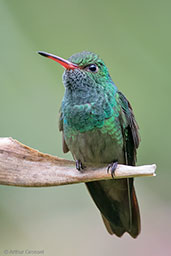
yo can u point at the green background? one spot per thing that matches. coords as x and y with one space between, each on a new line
133 37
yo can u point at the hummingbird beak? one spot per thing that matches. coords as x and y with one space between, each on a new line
65 63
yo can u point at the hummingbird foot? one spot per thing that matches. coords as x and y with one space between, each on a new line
79 165
112 168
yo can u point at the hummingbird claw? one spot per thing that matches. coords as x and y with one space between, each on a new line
113 167
79 165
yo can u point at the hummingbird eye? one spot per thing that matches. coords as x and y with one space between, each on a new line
92 67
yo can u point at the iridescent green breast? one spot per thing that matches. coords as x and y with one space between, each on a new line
87 118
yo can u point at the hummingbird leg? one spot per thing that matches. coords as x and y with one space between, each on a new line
113 167
79 165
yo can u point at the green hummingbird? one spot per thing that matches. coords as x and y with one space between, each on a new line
98 126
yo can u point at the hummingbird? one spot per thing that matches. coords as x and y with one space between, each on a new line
98 126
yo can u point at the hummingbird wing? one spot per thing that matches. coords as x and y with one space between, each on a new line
130 133
131 140
64 145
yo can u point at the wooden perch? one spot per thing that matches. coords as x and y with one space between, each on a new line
23 166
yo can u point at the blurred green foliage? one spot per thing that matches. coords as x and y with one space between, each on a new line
133 37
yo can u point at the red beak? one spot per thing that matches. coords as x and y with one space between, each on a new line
65 63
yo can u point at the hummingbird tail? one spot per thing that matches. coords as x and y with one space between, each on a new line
111 198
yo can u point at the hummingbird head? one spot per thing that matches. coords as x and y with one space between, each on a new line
83 69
